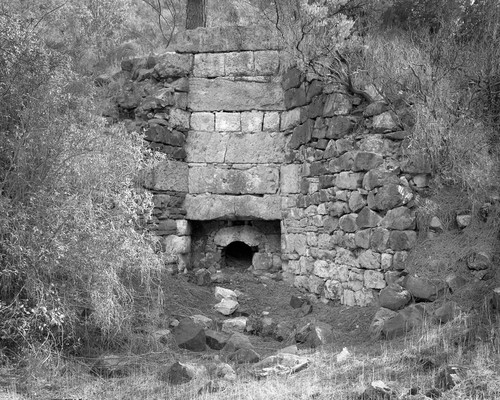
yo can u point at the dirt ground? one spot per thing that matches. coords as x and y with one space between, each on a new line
258 295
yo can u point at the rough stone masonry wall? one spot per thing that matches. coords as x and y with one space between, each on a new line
349 220
245 143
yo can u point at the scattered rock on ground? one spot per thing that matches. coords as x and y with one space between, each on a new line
424 289
394 297
280 364
244 356
179 373
379 390
315 335
112 365
189 335
223 293
446 312
237 341
226 306
206 322
233 325
298 301
216 340
203 277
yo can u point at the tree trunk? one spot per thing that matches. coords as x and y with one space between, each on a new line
196 15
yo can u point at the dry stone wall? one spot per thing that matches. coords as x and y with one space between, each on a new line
248 143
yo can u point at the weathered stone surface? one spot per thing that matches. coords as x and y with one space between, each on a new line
338 127
479 261
162 134
179 373
348 223
225 39
385 122
365 161
446 312
402 240
173 65
314 335
228 95
423 288
369 259
226 306
250 148
223 293
208 65
203 121
349 180
271 121
174 244
379 240
356 201
387 324
216 340
374 279
190 335
337 104
239 63
367 218
301 135
225 121
244 356
251 121
207 207
362 238
394 297
266 62
400 218
375 108
378 177
391 196
204 147
168 175
290 178
249 235
214 179
234 325
257 148
290 119
237 341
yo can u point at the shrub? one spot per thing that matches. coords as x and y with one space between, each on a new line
72 210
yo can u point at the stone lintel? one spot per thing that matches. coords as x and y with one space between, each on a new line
234 95
207 207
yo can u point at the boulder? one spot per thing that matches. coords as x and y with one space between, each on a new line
237 341
223 293
244 356
203 277
424 289
298 301
387 324
446 312
179 373
394 297
216 340
206 322
226 307
314 335
233 325
189 335
479 261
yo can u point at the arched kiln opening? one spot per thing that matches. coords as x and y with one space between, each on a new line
238 255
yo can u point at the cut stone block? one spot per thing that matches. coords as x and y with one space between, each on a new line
207 207
227 121
214 179
203 121
208 65
252 121
228 95
239 63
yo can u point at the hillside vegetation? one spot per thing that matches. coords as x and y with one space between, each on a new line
78 268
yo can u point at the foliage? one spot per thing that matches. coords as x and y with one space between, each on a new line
71 206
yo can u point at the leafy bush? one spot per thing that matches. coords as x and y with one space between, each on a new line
72 210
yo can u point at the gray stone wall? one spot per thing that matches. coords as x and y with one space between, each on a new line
247 143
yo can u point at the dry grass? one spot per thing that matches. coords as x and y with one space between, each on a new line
410 362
